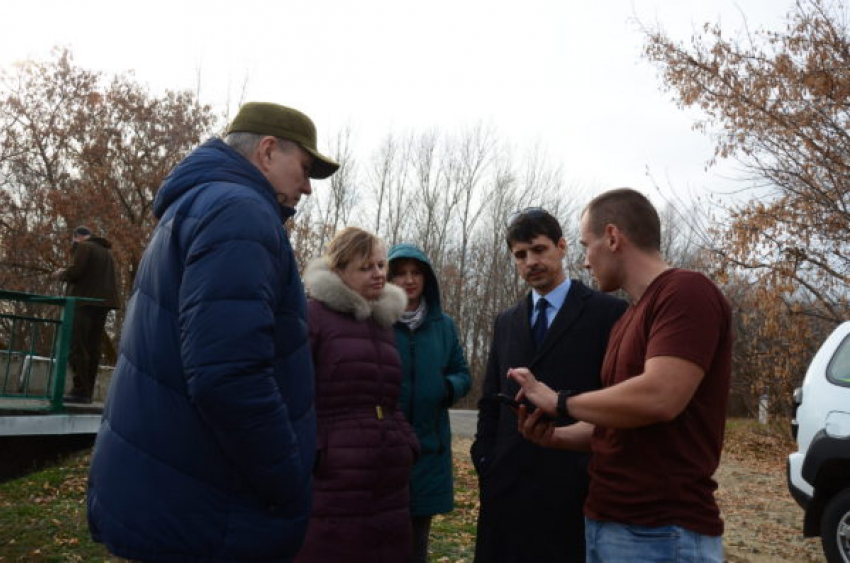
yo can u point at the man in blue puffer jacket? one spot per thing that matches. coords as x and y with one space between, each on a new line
209 433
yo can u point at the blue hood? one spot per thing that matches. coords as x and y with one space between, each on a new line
213 161
432 288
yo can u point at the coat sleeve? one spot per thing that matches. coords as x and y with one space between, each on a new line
229 288
79 262
488 410
457 370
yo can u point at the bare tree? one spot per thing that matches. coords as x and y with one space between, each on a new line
779 101
82 148
469 165
434 197
387 178
335 204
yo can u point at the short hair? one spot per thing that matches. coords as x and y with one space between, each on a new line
631 212
350 244
245 143
82 231
525 225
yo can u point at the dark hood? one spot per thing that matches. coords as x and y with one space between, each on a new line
432 288
213 161
101 241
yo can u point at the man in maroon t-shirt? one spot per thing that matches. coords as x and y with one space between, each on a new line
656 428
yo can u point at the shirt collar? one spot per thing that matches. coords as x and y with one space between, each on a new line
556 297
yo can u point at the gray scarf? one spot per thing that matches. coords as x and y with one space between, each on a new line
414 319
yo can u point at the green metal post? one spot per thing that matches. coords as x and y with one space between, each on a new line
9 354
58 361
61 358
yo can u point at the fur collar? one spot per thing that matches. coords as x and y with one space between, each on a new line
322 284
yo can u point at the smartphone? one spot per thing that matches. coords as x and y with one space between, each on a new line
514 404
506 399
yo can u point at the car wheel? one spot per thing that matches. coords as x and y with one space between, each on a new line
835 528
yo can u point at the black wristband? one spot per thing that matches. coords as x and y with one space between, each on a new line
561 405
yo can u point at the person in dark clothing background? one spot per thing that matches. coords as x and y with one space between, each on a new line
91 274
532 497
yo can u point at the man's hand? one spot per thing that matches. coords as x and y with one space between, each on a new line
58 273
537 430
533 428
543 397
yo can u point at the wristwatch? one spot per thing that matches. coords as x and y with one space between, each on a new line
561 405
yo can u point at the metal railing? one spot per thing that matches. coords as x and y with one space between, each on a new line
34 347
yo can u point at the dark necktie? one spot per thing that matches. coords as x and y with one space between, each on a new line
538 331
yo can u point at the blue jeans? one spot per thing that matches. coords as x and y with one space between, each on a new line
612 542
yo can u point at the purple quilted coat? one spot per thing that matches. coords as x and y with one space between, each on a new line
365 446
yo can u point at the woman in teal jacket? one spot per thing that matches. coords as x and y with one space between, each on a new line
435 377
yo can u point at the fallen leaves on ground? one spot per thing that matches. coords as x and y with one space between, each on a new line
42 516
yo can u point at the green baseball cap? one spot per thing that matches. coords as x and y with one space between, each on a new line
264 118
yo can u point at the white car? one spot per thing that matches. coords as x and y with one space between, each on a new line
819 471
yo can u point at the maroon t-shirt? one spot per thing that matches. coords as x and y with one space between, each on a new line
661 474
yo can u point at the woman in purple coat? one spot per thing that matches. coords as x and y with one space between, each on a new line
365 446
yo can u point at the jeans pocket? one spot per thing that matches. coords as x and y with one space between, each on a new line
654 533
625 542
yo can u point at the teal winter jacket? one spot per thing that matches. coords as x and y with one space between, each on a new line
435 376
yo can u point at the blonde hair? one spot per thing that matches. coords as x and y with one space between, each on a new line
350 244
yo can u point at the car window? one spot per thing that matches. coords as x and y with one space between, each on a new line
838 370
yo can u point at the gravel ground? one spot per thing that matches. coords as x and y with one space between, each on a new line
763 523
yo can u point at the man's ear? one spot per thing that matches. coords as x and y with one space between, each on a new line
613 237
263 153
562 246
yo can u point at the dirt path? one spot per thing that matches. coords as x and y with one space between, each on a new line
763 523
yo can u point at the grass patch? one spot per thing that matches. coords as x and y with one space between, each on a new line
43 515
453 534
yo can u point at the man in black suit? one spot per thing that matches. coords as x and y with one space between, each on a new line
532 497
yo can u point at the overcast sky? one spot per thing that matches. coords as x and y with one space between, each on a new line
567 74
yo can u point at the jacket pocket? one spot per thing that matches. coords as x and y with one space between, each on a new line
480 459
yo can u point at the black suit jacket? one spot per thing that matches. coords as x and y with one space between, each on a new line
531 497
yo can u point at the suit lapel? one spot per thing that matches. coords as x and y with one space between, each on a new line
521 324
522 343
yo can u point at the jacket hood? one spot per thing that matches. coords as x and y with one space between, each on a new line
322 284
101 241
432 288
213 161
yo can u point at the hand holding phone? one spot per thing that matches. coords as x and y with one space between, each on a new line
506 399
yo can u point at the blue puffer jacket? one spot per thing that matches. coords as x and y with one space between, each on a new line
433 362
209 433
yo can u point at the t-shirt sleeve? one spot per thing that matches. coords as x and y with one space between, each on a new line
689 320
